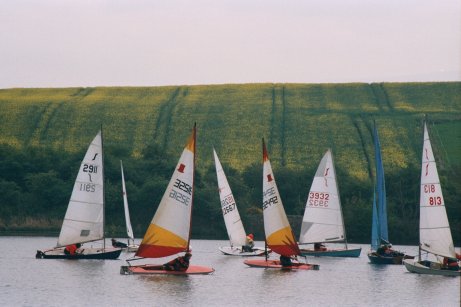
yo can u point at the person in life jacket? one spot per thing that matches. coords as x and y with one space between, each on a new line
72 249
249 243
450 264
285 261
178 264
319 247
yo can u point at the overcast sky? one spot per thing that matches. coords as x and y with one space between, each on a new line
61 43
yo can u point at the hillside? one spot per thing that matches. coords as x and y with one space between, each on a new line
298 121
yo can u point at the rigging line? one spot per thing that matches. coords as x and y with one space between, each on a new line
439 138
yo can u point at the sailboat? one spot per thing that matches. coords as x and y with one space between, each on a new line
323 219
279 235
379 234
84 219
434 229
234 225
169 231
130 246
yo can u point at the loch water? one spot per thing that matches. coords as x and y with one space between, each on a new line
26 281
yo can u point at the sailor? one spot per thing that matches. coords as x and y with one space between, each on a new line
72 249
450 264
319 247
249 243
178 264
285 261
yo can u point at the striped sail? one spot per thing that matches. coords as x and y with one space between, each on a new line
434 229
323 219
229 209
84 220
129 229
169 230
279 236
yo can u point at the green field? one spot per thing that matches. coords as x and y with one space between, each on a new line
298 121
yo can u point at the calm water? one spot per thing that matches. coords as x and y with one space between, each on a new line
26 281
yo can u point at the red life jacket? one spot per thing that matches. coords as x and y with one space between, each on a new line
71 249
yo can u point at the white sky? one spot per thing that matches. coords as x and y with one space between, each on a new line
60 43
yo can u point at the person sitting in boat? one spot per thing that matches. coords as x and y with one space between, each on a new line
249 243
285 261
180 264
385 250
116 243
319 247
450 264
72 249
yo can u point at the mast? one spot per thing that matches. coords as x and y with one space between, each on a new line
103 193
193 189
339 198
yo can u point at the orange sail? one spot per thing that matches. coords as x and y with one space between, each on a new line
279 235
169 230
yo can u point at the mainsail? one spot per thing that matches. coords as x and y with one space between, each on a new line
434 229
129 229
84 219
279 236
169 230
379 231
323 220
230 212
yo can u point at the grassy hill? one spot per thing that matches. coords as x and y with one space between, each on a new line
298 121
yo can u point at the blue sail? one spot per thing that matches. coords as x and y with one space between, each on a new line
375 241
379 228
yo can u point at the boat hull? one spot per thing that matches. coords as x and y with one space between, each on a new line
355 252
157 269
378 259
237 251
87 253
275 264
429 268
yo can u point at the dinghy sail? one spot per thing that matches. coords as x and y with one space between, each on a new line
130 247
323 219
169 231
381 252
434 229
84 219
279 235
234 225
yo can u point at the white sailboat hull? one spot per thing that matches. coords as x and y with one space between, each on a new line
237 251
432 268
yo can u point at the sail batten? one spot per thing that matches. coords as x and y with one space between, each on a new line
169 230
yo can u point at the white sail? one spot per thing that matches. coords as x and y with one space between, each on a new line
84 220
323 220
434 229
230 212
129 229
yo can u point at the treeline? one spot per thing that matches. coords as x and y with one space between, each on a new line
36 183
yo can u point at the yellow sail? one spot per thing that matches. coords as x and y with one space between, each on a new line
279 236
169 230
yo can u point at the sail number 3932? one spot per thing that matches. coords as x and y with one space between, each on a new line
317 199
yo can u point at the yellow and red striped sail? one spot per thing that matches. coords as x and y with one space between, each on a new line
279 236
168 233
